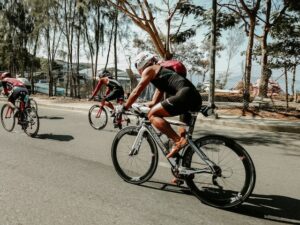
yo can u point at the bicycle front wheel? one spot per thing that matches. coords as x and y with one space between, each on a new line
33 104
234 179
8 117
134 167
31 128
98 117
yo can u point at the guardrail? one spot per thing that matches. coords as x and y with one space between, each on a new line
44 88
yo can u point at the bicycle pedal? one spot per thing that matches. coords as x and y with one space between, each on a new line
177 181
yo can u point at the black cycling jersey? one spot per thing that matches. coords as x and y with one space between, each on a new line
184 96
113 84
170 82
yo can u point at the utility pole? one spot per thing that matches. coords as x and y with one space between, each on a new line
211 96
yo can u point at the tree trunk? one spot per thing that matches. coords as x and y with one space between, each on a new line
91 52
211 97
294 94
32 62
77 69
115 46
246 94
286 88
109 46
265 74
98 29
49 61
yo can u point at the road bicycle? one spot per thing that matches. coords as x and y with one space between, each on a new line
31 102
216 169
22 112
98 115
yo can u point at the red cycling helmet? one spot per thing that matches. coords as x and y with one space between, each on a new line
5 75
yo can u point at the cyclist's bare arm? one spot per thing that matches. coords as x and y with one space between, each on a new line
103 80
157 96
148 74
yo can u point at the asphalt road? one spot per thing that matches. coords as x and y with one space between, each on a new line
65 176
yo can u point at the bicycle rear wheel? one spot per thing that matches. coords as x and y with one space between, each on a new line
8 118
134 168
98 117
235 179
31 128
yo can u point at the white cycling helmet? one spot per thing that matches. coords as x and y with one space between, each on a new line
142 59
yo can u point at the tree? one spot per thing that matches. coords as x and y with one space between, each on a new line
234 40
17 25
52 35
247 12
36 10
146 21
273 11
284 51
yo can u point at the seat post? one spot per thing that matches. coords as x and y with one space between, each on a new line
192 123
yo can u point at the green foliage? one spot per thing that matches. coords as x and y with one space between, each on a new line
188 8
285 48
184 35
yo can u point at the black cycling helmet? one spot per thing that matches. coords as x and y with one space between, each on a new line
105 73
5 75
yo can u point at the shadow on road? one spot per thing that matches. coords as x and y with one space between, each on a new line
57 137
161 186
264 139
271 207
51 117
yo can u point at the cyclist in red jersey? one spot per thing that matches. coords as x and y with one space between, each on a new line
13 88
114 90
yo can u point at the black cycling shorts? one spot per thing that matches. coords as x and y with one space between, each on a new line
17 92
186 99
115 94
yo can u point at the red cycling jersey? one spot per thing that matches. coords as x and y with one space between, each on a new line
10 83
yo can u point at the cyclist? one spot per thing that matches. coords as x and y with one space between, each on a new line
13 88
183 97
114 90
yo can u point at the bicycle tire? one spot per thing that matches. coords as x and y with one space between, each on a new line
120 168
93 120
33 104
33 125
13 119
213 193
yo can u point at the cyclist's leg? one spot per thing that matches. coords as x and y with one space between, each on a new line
14 94
186 99
185 118
115 94
156 115
22 92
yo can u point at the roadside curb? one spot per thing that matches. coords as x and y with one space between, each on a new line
252 124
226 121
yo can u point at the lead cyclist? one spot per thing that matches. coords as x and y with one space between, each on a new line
183 97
